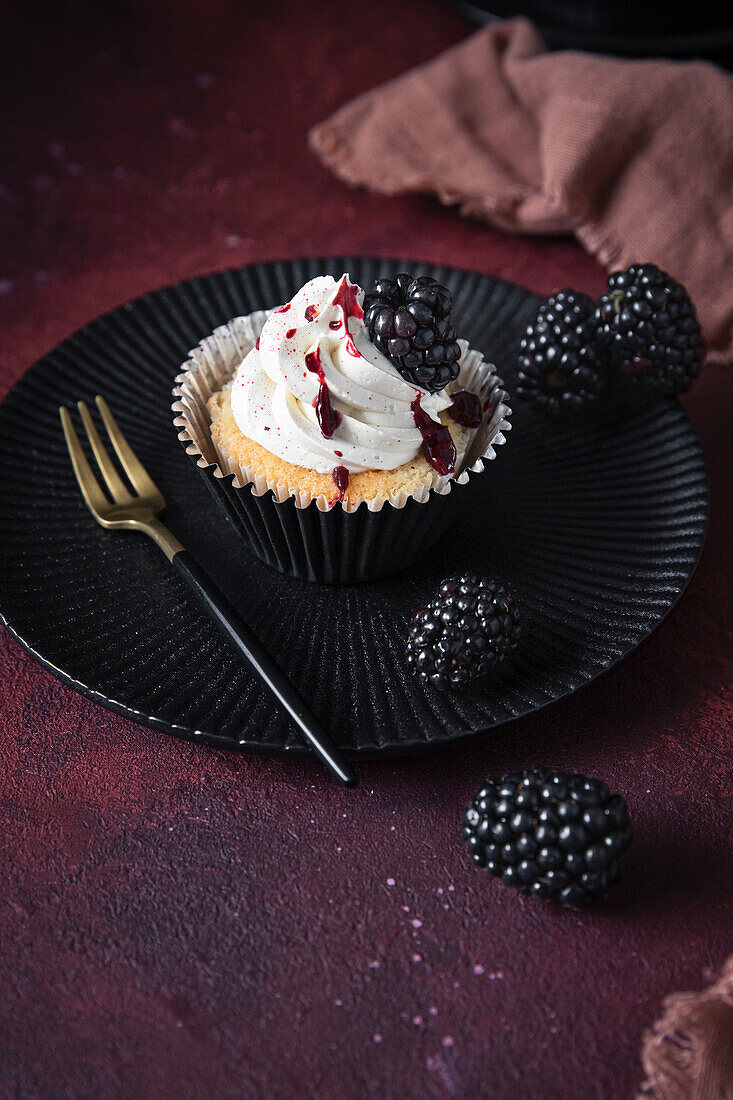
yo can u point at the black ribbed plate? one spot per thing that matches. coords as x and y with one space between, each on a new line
596 530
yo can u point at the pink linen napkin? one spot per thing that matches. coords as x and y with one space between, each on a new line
633 157
688 1054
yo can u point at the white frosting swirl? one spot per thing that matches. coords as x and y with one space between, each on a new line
274 392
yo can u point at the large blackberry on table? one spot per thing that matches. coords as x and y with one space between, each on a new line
559 362
466 629
549 834
409 320
647 322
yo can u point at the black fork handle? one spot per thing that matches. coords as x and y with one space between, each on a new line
232 626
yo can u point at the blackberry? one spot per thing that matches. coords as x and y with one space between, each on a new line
549 834
466 629
409 321
647 322
559 363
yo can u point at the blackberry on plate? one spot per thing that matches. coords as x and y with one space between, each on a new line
559 362
647 322
549 834
466 629
409 320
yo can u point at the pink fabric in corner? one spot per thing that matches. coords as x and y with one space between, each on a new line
633 157
688 1054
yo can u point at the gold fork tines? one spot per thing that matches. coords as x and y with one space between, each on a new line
135 509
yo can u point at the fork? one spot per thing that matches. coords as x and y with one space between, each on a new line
139 510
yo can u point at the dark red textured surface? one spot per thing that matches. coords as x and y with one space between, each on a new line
176 921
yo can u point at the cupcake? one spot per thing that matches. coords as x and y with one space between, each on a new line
333 427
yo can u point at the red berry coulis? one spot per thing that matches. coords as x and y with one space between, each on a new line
347 300
328 418
340 477
466 409
437 445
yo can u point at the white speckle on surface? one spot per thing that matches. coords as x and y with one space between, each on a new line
451 889
416 923
338 1002
417 1020
439 891
448 1041
374 964
232 241
433 1010
390 882
496 975
417 958
478 969
377 1038
405 908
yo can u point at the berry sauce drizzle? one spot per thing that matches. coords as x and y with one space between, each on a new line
437 445
328 418
283 309
347 300
466 409
340 477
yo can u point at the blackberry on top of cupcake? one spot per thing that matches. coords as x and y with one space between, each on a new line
409 320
